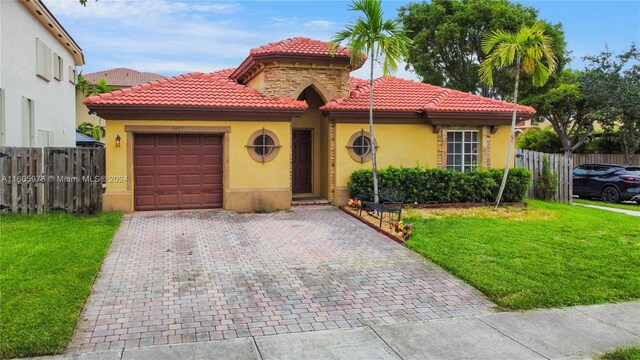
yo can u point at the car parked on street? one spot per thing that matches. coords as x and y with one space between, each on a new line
611 183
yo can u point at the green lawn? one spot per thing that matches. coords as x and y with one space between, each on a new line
47 266
546 255
622 354
628 206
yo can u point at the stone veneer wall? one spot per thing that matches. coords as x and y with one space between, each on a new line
289 80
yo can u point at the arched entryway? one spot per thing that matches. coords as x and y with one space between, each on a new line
310 149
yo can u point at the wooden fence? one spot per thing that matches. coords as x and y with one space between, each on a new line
616 159
560 165
36 180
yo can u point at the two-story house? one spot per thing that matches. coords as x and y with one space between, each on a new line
38 60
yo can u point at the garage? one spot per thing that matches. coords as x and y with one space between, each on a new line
177 171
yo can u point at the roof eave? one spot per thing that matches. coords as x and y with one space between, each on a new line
42 13
119 112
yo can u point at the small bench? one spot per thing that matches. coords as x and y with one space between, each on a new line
390 201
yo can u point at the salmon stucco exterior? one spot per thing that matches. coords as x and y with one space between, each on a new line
289 122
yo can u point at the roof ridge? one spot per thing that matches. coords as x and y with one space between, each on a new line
123 68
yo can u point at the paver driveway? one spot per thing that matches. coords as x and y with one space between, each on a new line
184 276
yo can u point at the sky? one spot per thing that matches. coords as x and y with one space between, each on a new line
175 37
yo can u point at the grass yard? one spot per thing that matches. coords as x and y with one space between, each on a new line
627 206
545 255
47 266
622 354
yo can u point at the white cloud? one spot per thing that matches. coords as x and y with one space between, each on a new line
322 24
170 38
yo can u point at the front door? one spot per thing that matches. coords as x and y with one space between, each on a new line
301 165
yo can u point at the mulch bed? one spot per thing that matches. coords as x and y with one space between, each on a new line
386 229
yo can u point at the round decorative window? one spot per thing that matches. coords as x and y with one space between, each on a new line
263 145
359 146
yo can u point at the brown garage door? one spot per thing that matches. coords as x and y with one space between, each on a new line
177 171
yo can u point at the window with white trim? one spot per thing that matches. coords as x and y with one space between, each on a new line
2 118
462 150
58 67
28 125
44 57
73 76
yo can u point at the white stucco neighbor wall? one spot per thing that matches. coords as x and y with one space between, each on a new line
54 107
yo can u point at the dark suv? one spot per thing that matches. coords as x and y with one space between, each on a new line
611 183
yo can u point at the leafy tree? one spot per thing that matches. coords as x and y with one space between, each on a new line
544 140
95 131
100 87
448 35
563 106
611 86
528 51
82 84
383 40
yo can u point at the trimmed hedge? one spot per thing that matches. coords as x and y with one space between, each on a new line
428 185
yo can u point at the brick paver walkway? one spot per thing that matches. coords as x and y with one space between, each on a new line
185 276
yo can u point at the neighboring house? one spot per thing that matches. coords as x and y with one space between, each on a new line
37 77
117 79
287 122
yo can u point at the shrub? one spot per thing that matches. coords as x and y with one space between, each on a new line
424 186
547 185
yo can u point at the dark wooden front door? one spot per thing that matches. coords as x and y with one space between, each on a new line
177 171
301 166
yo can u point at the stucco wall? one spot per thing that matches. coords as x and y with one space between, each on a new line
250 184
53 101
408 146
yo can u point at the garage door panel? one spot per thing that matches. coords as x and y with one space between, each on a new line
190 159
168 180
212 179
168 160
186 180
175 171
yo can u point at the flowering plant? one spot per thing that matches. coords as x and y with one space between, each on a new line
405 229
354 203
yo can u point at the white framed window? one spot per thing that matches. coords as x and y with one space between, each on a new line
28 125
44 58
73 76
462 150
2 119
58 67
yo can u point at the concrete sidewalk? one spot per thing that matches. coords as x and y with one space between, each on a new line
617 210
572 333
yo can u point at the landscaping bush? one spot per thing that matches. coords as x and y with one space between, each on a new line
427 186
547 185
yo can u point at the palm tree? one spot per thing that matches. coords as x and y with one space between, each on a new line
530 52
383 40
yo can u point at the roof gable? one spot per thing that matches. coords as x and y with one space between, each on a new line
192 91
395 94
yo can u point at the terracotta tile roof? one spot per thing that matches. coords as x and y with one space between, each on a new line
195 91
122 77
395 94
299 46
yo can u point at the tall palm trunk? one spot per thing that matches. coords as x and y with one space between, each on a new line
374 163
512 136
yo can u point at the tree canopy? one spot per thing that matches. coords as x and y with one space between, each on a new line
448 35
611 87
